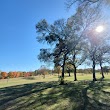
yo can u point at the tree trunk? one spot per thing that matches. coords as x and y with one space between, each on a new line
102 70
63 69
75 78
69 74
63 66
94 77
68 71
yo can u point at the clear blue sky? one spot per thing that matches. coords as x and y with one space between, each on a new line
18 45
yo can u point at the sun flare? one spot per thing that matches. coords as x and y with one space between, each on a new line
99 29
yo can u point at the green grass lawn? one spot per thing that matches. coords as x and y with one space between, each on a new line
20 81
37 93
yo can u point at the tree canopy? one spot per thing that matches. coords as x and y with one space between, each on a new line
75 40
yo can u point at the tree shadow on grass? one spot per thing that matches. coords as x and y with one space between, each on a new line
51 95
33 95
94 97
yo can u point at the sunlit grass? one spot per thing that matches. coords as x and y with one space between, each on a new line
81 76
21 80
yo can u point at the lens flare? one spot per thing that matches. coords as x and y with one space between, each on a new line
99 29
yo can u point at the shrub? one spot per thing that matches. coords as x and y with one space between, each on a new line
27 74
11 75
22 74
17 74
4 75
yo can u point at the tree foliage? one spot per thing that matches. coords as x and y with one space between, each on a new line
4 75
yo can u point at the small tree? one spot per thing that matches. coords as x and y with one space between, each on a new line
58 70
69 68
11 75
103 56
106 69
43 71
4 75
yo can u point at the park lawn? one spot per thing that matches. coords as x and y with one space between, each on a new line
21 80
81 77
47 94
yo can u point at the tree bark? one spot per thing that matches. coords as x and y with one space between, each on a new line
68 71
75 78
63 66
63 71
69 74
102 70
94 77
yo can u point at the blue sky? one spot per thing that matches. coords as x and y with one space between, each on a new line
18 45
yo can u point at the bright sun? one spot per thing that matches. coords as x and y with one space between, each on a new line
99 29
